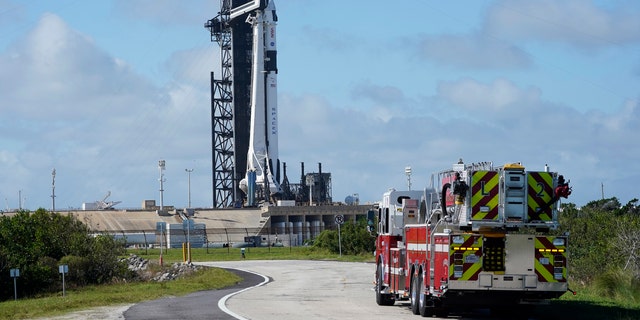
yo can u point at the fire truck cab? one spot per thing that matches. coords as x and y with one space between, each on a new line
478 237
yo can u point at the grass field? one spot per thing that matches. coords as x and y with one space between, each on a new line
587 304
257 253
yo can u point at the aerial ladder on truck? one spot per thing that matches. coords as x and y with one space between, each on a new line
479 236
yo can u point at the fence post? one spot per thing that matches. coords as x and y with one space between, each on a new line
206 238
146 245
228 244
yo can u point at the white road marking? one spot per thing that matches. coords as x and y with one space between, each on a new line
222 302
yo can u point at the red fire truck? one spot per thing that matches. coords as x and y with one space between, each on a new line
478 237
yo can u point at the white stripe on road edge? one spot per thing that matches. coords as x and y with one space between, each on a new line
222 302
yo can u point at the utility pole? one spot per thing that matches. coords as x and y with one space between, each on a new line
161 166
189 185
53 190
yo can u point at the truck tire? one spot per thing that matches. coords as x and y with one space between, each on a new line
424 307
381 298
415 294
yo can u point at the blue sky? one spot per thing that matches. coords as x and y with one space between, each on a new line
102 90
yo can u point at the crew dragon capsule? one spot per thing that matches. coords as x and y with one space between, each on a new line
263 165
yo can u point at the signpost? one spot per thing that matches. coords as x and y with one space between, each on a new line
161 227
339 220
63 269
15 273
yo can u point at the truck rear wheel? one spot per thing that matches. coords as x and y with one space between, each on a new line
382 299
425 305
415 294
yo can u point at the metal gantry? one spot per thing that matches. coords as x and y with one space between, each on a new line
222 112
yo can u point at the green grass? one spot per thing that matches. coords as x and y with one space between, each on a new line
590 303
257 253
612 295
114 294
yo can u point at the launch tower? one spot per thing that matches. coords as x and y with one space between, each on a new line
243 106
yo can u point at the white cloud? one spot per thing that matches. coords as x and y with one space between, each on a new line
478 97
575 22
383 102
71 105
57 72
67 104
496 121
618 129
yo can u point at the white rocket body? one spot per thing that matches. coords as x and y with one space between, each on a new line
262 156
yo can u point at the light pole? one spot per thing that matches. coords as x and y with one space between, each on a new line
189 185
407 171
161 166
53 190
310 182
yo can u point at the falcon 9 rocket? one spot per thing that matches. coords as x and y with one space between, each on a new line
263 165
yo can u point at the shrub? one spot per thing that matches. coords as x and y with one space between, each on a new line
618 284
38 242
354 236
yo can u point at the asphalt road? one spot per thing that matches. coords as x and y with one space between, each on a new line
283 290
310 290
199 305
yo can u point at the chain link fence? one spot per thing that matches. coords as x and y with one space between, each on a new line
175 235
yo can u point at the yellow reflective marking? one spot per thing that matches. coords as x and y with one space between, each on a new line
544 272
540 194
471 271
548 253
483 192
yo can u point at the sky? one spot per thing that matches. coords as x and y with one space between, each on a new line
103 90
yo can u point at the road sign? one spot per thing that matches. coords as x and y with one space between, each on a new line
64 268
339 220
188 224
15 273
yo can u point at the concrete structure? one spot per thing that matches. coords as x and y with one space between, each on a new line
282 225
295 225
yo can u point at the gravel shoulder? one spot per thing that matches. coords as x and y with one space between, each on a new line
102 313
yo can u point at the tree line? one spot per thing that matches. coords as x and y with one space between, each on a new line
604 239
38 242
